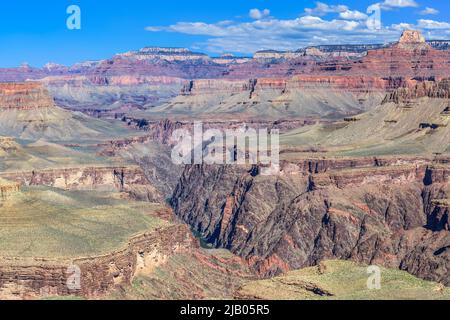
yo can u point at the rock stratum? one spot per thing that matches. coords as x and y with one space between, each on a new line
28 111
86 175
8 188
376 212
329 82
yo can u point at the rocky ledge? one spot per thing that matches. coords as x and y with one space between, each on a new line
24 96
131 180
31 278
414 90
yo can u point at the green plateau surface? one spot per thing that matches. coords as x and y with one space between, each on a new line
343 280
52 223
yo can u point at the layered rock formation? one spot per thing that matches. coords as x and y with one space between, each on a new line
162 130
372 215
276 55
415 90
319 60
411 57
439 44
24 96
228 59
167 54
29 112
130 179
111 96
8 188
410 39
356 84
374 210
299 97
31 278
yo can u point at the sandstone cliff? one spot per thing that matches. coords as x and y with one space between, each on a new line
24 96
432 89
29 112
130 179
8 188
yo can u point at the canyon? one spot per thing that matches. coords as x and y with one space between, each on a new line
311 85
87 180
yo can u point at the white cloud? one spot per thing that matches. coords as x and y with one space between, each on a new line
392 4
349 26
399 3
353 15
428 11
258 14
323 9
344 12
403 26
248 37
225 22
320 24
431 24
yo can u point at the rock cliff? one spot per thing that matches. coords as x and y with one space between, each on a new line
8 188
29 112
39 277
372 213
415 90
130 179
24 96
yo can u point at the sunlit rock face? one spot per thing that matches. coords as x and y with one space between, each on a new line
412 36
7 189
24 96
168 54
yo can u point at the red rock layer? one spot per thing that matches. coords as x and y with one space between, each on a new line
24 96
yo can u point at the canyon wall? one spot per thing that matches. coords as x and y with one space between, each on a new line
162 130
8 188
410 57
41 277
352 84
118 80
130 179
373 211
439 89
24 96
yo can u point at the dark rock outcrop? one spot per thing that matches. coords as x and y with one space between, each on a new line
382 214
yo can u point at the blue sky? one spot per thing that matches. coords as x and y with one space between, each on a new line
36 32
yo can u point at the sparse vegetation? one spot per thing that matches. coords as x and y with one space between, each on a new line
60 224
344 280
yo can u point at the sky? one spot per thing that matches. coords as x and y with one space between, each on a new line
36 32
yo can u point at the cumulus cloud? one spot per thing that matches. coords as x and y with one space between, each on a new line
399 3
429 11
353 15
248 37
431 24
403 26
322 9
393 4
259 14
267 32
